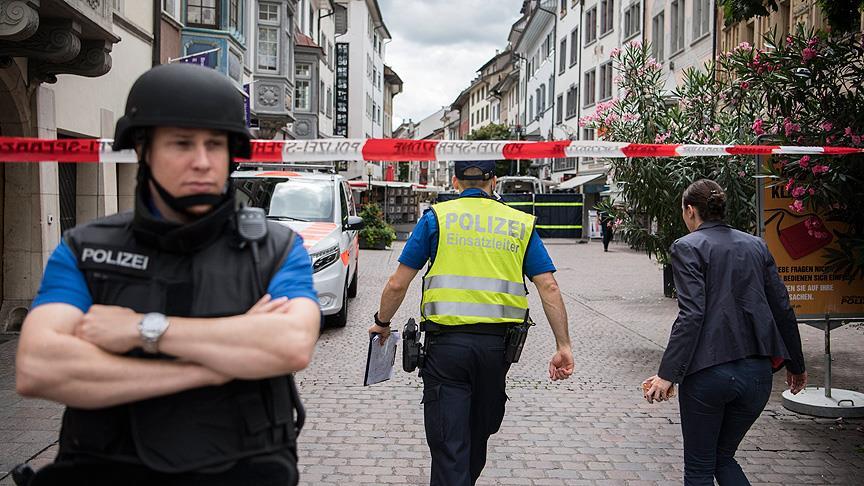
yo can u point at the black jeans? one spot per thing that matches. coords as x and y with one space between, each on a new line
607 237
718 406
463 402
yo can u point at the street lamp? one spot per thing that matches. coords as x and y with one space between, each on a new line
369 171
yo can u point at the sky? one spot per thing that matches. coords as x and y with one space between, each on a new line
438 46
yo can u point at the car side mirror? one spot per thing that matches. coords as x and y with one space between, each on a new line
354 223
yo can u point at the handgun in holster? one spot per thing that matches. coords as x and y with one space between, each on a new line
413 354
514 340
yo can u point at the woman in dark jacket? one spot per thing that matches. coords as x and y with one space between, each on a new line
734 325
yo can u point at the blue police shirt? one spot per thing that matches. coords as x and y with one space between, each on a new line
423 244
64 283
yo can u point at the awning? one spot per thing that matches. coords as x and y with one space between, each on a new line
359 184
580 181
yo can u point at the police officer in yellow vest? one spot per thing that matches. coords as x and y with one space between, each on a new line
480 249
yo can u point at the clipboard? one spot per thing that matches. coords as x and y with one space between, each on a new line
380 360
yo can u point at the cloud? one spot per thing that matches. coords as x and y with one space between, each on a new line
438 45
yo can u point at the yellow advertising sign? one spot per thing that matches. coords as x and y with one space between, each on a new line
798 242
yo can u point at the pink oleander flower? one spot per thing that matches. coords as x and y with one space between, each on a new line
811 191
789 39
812 42
856 140
820 169
826 126
745 85
799 192
661 137
744 46
830 139
789 185
797 206
808 54
848 131
635 43
741 173
757 127
804 162
615 52
790 128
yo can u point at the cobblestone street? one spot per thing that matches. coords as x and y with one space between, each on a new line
593 429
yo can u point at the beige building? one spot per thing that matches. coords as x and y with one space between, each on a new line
753 31
483 106
682 35
65 70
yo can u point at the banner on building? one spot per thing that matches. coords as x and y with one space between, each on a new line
342 63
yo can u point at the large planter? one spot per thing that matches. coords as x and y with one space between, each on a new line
668 282
378 245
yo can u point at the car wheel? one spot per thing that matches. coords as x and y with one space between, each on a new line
340 318
352 289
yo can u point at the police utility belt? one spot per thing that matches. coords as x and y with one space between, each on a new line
414 353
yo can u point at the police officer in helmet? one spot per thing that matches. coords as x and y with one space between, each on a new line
169 333
474 297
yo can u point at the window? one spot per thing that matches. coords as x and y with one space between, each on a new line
590 81
531 107
375 77
322 101
329 102
560 165
590 25
551 90
677 39
234 15
658 37
559 110
605 81
172 8
268 48
302 94
202 13
701 18
632 19
303 87
563 8
562 60
607 16
572 101
268 12
541 100
574 42
587 134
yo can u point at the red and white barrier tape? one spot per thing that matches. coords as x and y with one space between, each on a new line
14 149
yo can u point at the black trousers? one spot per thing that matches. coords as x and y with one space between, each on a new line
718 406
607 237
463 402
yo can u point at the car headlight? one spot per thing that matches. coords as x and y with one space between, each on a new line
325 258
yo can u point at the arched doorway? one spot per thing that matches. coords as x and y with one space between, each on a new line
15 121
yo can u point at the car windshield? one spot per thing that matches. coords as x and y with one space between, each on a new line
515 187
288 199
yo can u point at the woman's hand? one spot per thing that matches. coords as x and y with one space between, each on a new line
657 389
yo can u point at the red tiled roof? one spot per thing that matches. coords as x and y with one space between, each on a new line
304 40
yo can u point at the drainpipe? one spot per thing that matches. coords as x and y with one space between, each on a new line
714 42
579 92
156 57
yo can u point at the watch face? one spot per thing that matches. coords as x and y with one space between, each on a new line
153 325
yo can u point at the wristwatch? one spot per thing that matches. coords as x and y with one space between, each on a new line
151 328
379 323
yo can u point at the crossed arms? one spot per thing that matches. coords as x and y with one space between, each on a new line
75 358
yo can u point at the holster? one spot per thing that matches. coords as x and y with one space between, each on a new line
514 341
413 353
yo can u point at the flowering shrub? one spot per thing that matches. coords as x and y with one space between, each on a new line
805 89
698 111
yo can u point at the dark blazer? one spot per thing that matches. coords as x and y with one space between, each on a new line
732 304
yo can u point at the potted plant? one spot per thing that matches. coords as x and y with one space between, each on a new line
376 234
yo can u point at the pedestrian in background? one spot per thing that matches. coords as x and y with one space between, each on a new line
734 325
607 229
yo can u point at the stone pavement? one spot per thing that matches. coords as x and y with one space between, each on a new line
592 429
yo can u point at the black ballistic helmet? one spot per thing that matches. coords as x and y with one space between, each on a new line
185 95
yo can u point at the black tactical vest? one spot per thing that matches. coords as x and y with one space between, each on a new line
200 429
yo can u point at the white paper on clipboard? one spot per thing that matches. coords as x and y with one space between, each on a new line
380 359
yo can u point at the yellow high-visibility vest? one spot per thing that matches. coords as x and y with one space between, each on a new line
477 273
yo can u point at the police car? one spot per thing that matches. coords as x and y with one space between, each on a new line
320 208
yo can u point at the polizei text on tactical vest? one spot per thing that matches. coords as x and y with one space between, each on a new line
490 225
115 257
